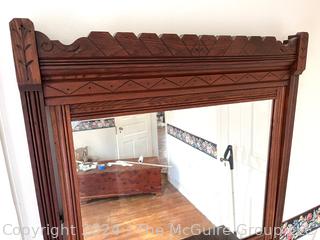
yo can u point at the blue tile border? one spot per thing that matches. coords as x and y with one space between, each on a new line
194 141
301 225
78 126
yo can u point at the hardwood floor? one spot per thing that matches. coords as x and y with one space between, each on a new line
142 217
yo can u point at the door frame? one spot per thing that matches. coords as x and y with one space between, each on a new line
102 75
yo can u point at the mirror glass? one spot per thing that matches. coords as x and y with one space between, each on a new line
173 174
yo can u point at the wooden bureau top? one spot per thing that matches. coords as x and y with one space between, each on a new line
116 168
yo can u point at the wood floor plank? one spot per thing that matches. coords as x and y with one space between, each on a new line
128 214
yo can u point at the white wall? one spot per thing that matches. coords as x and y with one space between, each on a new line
315 235
68 20
7 206
201 122
206 181
101 143
203 180
154 134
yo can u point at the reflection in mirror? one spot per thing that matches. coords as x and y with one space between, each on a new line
173 174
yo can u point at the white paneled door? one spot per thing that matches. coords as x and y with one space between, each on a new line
134 135
246 127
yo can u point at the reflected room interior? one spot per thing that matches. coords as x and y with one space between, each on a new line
173 174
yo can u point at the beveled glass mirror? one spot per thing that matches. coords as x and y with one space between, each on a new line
174 174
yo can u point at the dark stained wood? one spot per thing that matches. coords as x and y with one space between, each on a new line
101 75
29 82
56 91
25 53
120 181
132 45
153 104
272 182
289 103
152 45
302 50
107 44
63 141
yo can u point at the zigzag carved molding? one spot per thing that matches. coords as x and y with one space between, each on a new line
127 44
58 89
111 108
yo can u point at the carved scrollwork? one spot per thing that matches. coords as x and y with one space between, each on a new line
103 44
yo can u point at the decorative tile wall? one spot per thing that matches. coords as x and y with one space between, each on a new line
194 141
92 124
301 225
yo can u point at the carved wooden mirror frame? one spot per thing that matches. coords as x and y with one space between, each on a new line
101 75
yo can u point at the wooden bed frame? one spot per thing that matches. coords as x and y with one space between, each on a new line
103 75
